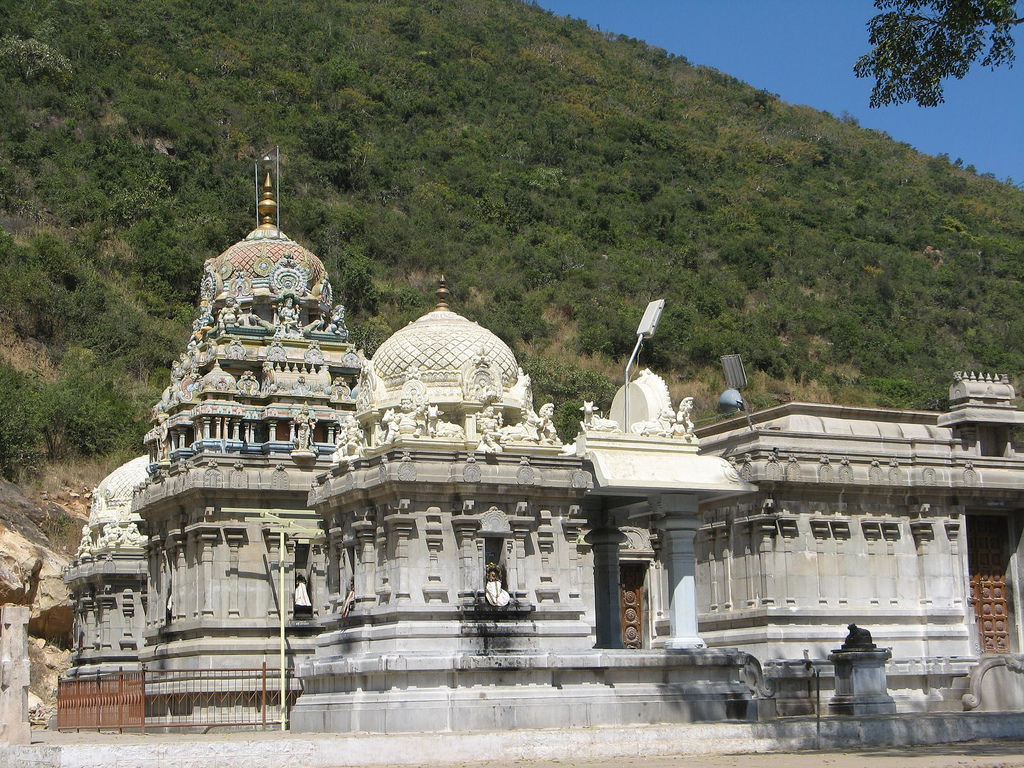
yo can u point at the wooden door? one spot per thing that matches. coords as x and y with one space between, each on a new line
987 538
631 581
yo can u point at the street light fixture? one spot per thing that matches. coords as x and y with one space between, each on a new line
646 329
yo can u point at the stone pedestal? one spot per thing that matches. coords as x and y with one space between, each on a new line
14 666
860 683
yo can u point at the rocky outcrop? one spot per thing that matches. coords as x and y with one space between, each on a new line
31 573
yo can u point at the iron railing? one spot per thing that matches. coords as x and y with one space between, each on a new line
197 699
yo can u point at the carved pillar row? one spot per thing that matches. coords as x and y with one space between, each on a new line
679 519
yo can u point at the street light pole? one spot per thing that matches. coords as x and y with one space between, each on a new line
648 324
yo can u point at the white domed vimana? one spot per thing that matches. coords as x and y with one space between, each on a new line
446 377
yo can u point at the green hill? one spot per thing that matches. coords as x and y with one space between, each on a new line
559 177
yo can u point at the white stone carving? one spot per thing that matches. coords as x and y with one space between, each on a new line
305 423
661 426
683 427
438 428
286 318
594 422
488 426
350 443
522 391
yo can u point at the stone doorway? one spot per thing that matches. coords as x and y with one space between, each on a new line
987 552
631 582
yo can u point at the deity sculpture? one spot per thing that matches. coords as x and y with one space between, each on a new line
228 315
109 538
683 426
202 325
410 419
389 423
545 425
336 325
286 317
85 546
488 425
163 452
305 423
349 442
130 536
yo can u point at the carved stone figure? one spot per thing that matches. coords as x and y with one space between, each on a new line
546 426
410 419
163 452
683 426
269 379
488 425
337 323
228 315
523 432
660 427
437 427
350 442
130 536
301 387
201 326
85 546
858 639
305 423
286 318
593 421
110 537
389 423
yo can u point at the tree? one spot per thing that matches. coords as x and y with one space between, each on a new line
920 43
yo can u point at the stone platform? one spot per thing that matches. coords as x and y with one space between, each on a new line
615 745
494 692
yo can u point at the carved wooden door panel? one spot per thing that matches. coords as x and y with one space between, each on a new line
987 538
631 581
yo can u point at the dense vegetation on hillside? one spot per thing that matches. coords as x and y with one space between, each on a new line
559 177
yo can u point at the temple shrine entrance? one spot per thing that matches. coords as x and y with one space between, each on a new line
987 560
631 581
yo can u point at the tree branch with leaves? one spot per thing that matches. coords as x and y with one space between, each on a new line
920 43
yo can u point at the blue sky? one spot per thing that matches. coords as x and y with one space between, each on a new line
804 51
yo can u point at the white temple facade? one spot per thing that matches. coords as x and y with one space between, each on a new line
466 570
907 523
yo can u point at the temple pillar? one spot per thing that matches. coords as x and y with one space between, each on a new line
365 531
679 519
605 542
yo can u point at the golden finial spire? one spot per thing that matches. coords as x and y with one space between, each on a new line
442 294
267 206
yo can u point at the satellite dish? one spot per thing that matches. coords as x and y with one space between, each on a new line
731 401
